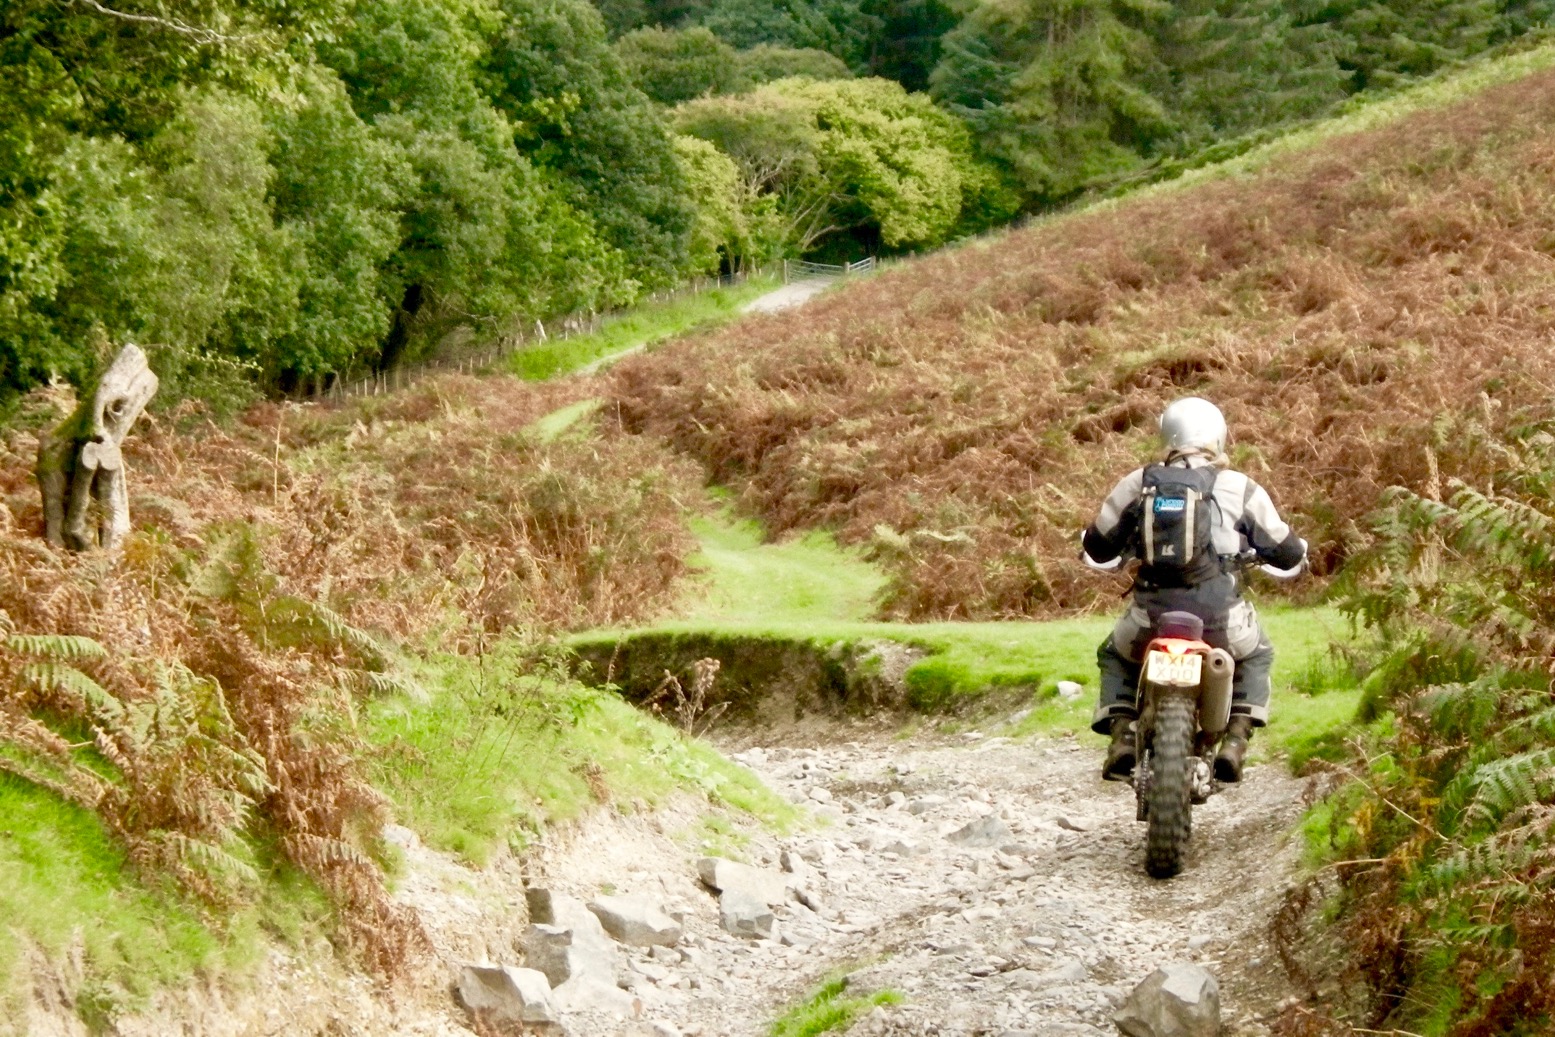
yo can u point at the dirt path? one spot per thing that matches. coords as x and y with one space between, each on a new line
1041 932
788 296
784 298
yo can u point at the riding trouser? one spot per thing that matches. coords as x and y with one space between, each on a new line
1230 622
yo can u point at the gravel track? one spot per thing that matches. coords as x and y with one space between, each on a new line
1042 933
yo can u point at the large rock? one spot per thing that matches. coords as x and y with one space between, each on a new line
986 831
744 914
770 887
547 907
507 1000
1174 1001
570 946
636 921
563 955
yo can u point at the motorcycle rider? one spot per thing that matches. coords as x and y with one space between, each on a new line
1154 514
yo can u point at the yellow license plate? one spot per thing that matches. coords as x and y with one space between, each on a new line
1178 670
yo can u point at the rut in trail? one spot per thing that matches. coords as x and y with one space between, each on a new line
1043 930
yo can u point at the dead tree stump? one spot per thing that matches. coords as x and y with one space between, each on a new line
79 461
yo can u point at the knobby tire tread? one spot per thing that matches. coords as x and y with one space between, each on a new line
1171 818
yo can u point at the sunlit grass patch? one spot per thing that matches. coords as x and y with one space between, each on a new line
828 1011
68 888
742 577
641 326
504 745
558 422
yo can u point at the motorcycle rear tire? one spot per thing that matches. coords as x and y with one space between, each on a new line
1171 784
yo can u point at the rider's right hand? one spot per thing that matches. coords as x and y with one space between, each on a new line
1291 573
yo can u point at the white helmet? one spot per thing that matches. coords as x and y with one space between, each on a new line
1192 424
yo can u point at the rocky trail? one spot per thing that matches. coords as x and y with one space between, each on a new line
996 885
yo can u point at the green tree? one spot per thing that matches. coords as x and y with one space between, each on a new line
1237 65
675 65
1387 42
840 27
847 156
476 231
1516 17
550 69
767 62
905 43
1066 94
723 228
92 231
336 194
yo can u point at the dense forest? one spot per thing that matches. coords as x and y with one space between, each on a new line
272 193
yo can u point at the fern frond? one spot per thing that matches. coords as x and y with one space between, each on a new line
59 677
56 647
204 858
330 858
323 623
1513 533
1541 724
74 785
1506 785
391 683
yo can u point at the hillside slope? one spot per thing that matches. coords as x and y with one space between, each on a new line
1359 308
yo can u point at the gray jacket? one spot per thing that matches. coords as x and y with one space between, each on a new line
1245 519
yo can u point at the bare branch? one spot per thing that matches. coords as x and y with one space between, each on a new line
198 33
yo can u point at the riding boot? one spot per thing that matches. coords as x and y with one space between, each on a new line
1119 765
1233 750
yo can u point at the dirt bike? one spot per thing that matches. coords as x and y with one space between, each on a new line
1184 703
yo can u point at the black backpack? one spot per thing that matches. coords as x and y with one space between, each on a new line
1176 526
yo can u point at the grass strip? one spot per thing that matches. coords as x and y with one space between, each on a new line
639 327
742 578
1019 664
827 1011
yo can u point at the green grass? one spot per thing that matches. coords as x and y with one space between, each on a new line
557 423
503 746
811 591
827 1011
66 886
1019 664
742 579
1307 718
641 326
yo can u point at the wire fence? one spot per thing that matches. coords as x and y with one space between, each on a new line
350 384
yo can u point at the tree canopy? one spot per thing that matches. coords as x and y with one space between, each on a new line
280 192
842 157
